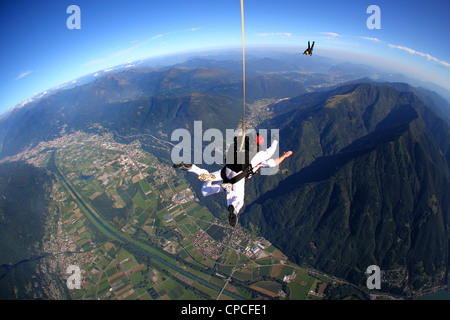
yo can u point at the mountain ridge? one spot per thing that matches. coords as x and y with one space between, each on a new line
338 218
341 211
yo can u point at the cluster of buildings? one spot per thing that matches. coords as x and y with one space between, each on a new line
35 155
290 277
182 197
258 251
61 249
206 245
162 174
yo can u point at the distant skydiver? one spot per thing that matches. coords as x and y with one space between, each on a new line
309 51
232 176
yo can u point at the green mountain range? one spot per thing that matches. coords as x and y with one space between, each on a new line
367 184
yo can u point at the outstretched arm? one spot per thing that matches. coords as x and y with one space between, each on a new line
281 159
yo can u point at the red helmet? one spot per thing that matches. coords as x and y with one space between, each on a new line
260 140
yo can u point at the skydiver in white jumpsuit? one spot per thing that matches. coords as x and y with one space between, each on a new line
235 190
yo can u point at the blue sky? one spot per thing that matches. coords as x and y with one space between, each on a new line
39 52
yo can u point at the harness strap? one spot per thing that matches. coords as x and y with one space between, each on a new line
235 179
246 173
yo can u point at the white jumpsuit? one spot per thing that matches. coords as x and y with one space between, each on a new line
236 197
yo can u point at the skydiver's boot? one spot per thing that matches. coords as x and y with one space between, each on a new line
183 166
206 177
232 219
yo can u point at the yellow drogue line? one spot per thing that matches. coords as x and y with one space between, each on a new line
243 73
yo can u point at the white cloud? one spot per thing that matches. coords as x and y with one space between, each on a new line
426 55
157 36
23 74
371 39
275 34
331 34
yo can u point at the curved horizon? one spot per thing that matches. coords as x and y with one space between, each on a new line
43 53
